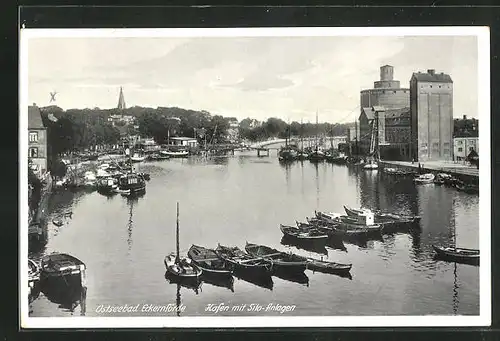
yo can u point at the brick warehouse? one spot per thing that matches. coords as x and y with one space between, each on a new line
431 97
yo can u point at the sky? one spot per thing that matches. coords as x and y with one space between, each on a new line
257 77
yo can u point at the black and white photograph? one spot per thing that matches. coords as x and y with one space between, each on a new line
257 177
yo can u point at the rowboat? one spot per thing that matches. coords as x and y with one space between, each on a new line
182 153
327 267
458 254
382 218
278 259
425 178
61 265
183 267
331 218
208 261
33 273
240 260
303 234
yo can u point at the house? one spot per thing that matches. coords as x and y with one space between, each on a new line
463 146
37 141
184 141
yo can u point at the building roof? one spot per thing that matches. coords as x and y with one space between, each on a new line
35 118
432 77
369 113
395 113
378 108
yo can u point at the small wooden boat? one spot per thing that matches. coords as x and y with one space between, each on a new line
278 259
240 260
457 254
382 218
317 156
33 273
133 182
58 222
183 267
208 261
61 265
181 153
303 234
425 178
331 218
327 267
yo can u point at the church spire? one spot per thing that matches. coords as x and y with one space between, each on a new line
121 100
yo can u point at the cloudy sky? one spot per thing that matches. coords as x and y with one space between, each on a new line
258 77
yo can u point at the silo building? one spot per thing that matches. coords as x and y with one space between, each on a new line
431 106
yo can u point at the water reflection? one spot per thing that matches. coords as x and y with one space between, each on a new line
66 293
311 246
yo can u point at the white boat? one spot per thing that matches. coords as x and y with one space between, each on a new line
371 166
137 158
181 153
427 178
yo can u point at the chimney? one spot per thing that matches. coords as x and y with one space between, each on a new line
34 104
431 72
465 117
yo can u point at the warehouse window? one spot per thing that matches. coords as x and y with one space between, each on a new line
33 136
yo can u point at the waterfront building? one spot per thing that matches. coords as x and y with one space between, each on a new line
431 97
463 146
184 141
37 141
386 92
463 127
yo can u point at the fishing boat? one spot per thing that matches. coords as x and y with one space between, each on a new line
316 155
240 260
427 178
330 218
381 217
303 234
277 259
61 265
287 153
208 261
132 183
457 254
137 158
107 185
33 273
365 222
173 154
181 267
58 222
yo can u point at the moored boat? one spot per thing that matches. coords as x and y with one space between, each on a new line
61 265
327 267
427 178
303 234
107 185
137 158
181 153
278 259
458 254
241 260
132 182
208 261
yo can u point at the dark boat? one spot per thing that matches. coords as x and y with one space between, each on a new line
58 222
277 259
327 267
132 182
208 261
287 153
458 254
240 260
107 185
35 232
303 233
261 279
177 266
61 265
33 274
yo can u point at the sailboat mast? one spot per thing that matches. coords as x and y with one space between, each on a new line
301 135
316 140
177 234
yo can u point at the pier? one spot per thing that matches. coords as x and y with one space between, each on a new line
456 169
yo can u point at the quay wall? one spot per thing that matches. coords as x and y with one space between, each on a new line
466 174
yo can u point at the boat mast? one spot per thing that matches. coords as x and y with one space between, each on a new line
301 136
177 235
316 139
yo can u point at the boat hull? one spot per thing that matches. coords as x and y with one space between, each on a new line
459 255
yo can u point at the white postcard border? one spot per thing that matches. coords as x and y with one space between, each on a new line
484 317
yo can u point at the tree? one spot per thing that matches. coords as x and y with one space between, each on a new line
59 169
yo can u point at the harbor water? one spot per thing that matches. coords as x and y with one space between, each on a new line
234 199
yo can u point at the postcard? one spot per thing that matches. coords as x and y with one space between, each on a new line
255 177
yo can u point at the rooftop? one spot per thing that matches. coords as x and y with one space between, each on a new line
35 118
432 76
394 113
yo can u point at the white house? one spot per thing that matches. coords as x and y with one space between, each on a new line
462 146
184 141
